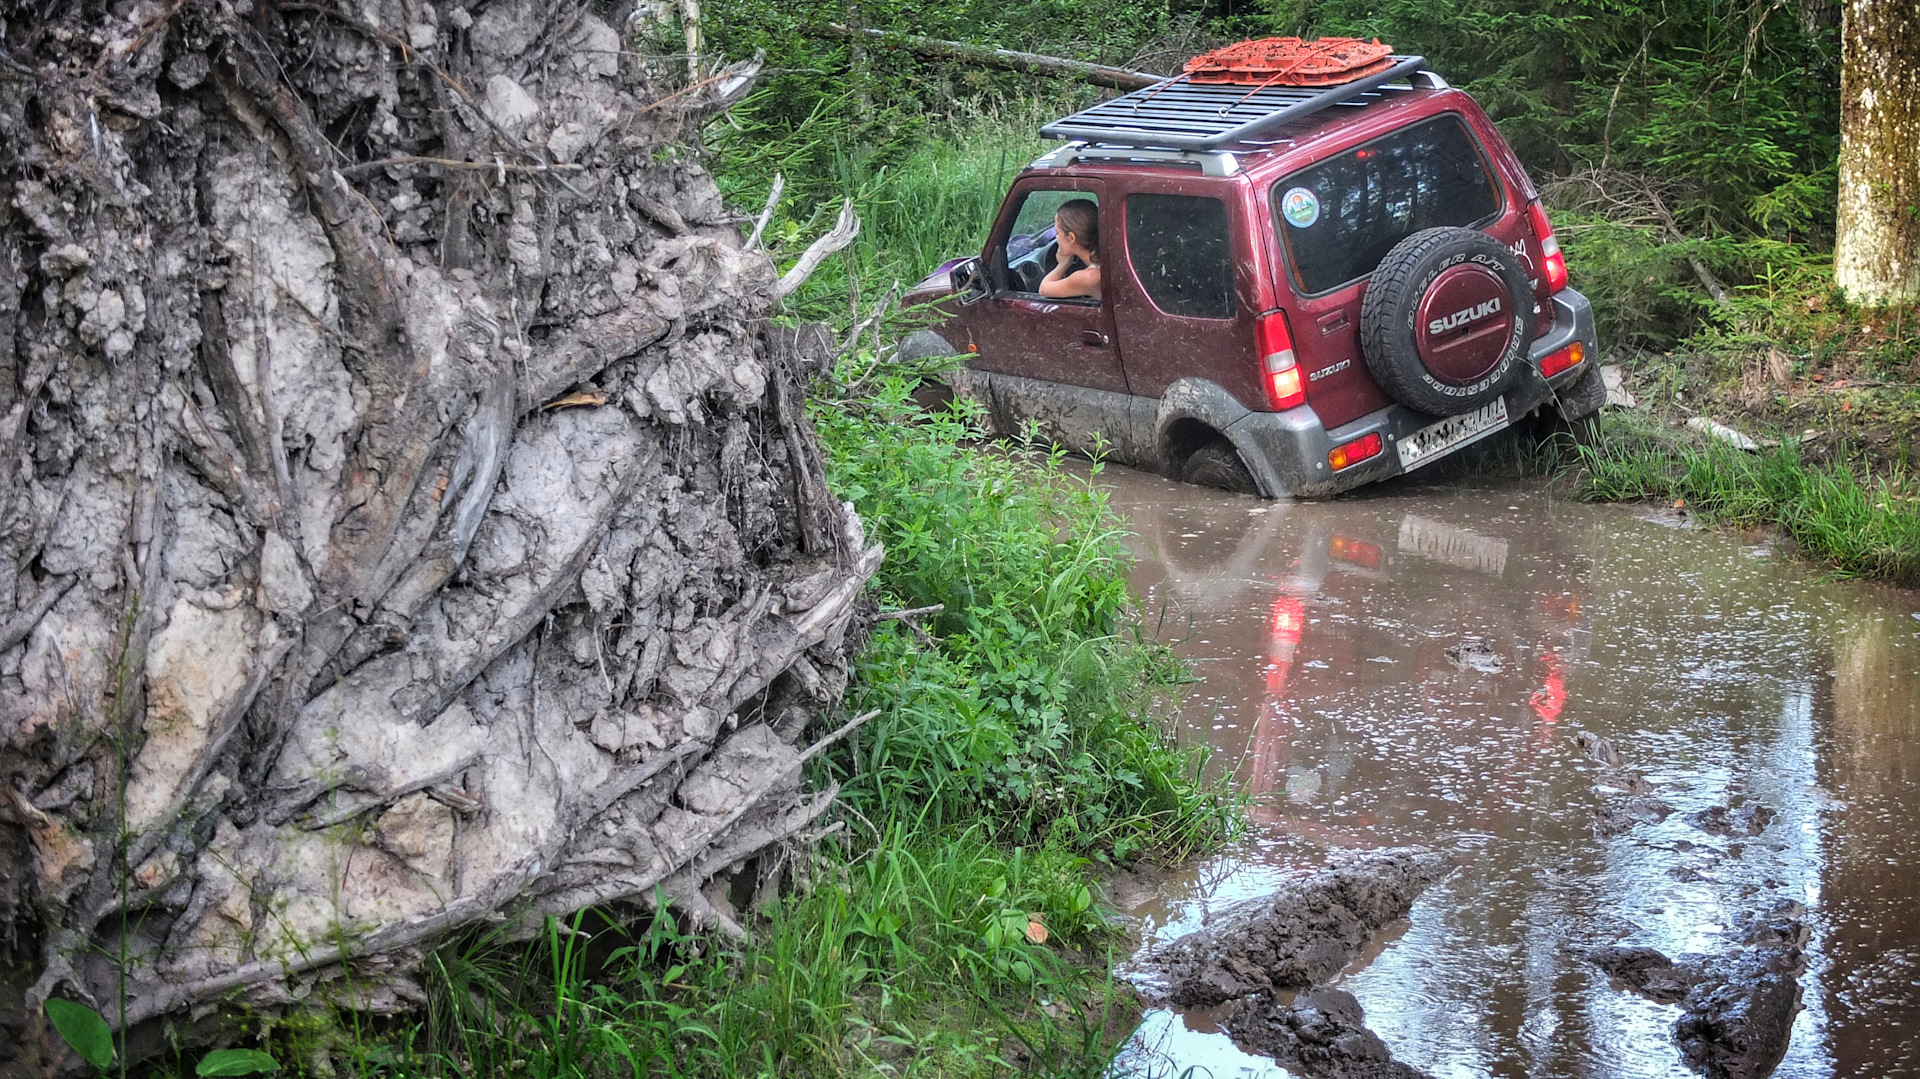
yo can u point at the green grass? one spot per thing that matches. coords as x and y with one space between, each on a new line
915 958
1029 706
1865 528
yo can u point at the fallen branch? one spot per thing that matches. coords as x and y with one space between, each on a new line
911 612
495 165
766 214
843 232
1029 63
1707 280
735 79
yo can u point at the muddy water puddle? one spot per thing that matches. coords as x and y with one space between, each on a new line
1413 665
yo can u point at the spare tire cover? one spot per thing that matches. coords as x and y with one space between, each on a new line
1446 320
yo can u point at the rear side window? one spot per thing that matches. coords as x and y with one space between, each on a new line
1181 254
1341 217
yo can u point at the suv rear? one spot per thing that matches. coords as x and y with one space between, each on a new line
1302 290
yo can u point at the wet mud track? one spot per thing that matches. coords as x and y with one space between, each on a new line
1628 734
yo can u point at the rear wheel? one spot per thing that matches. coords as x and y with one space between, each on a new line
1571 418
1218 464
1584 397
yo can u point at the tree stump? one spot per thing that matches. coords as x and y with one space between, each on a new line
409 517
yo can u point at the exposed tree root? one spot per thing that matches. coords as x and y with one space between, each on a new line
410 520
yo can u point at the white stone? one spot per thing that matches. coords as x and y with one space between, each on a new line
566 141
509 105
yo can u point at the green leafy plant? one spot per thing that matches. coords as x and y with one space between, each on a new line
236 1062
83 1029
1862 528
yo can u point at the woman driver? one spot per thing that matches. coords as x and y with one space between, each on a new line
1076 228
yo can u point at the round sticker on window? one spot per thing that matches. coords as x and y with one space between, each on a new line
1300 207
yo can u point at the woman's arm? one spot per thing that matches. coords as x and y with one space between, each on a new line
1060 285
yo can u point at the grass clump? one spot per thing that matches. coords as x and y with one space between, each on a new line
1025 709
915 961
1866 528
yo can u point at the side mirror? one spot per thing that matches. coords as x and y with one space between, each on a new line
969 281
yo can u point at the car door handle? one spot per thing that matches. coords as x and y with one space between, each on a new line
1330 323
1094 339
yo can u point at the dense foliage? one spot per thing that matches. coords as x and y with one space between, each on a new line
1663 132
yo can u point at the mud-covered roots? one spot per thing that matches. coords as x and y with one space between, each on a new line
408 520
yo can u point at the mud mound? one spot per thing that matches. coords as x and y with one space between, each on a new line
1300 936
1739 1005
1322 1033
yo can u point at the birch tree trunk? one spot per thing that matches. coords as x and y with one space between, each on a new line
1877 251
408 519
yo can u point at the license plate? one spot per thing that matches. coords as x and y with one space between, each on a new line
1432 443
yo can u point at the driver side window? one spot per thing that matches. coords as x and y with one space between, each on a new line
1029 253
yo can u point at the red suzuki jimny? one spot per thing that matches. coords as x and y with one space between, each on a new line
1302 288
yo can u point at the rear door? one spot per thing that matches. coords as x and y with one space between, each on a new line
1184 286
1019 332
1337 219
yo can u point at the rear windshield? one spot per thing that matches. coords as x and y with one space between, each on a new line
1339 218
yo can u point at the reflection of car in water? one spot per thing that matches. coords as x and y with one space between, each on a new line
1482 637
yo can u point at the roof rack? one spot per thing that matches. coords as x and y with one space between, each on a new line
1182 115
1211 162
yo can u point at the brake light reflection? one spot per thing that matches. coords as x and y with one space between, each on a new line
1289 621
1272 740
1354 552
1551 697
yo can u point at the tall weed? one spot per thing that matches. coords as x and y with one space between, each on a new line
926 958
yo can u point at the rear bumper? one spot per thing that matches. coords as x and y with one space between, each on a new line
1294 445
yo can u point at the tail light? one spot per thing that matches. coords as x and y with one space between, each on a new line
1555 362
1285 388
1352 453
1550 256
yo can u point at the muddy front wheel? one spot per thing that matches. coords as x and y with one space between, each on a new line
1218 464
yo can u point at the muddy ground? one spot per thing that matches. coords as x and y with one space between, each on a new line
1628 733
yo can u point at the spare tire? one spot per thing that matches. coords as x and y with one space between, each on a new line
1446 320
